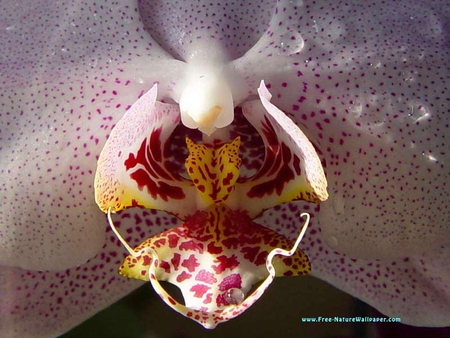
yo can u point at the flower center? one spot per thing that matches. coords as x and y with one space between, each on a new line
218 252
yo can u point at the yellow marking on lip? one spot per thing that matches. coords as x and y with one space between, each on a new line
214 172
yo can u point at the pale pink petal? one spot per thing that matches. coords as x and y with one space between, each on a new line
414 288
211 30
46 304
370 89
369 86
68 73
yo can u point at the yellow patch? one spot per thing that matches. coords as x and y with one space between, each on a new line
213 171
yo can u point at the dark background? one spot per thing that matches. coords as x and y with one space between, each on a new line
277 314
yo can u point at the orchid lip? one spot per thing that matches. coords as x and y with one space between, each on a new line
234 301
239 303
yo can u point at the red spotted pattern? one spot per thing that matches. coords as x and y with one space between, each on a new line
279 161
149 168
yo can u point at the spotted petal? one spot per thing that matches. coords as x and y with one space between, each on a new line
370 89
291 169
134 168
68 73
414 288
48 303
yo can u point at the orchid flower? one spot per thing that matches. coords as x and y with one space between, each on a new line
366 83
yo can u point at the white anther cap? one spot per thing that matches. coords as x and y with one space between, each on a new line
206 102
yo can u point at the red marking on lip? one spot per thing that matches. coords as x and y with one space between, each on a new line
287 261
271 162
146 260
212 176
165 265
212 249
231 243
173 241
232 281
160 242
205 276
220 300
183 276
175 260
191 263
208 299
250 253
199 290
135 204
227 180
225 263
191 246
261 259
284 172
